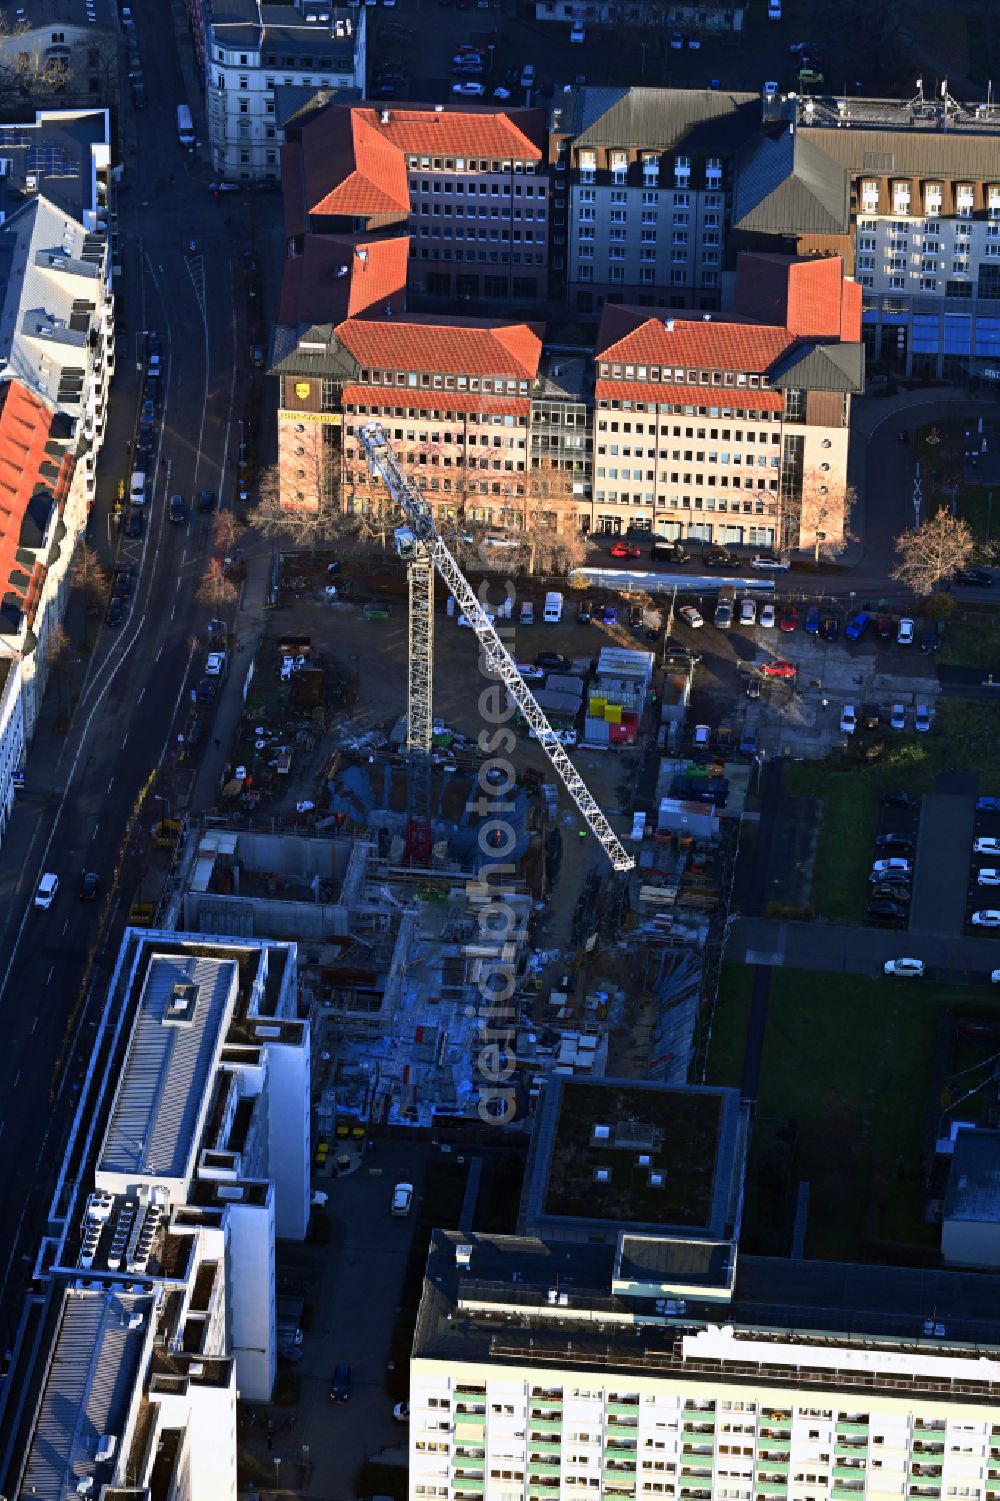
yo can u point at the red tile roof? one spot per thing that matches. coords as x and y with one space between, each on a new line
688 339
697 396
315 287
455 132
390 397
451 348
806 294
349 167
24 431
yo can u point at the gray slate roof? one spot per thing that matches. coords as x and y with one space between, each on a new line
333 360
709 121
787 184
822 367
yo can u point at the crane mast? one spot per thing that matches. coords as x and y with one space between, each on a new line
423 550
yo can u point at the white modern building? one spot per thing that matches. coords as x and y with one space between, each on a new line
11 737
253 49
189 1154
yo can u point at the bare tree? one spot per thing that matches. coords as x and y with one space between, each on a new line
89 574
819 517
225 530
215 588
308 517
56 650
933 553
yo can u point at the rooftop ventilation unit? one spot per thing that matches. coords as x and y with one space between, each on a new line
463 1255
182 1002
668 324
602 1175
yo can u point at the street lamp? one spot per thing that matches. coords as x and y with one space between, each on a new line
277 1467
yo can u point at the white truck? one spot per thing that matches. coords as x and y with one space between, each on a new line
552 614
185 129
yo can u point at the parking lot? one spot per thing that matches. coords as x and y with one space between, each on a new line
801 713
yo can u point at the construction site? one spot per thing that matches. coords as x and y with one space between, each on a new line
394 781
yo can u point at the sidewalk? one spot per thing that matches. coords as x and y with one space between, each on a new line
248 628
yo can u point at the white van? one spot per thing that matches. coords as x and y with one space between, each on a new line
552 614
137 487
528 76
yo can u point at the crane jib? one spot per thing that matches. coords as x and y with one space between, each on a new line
419 541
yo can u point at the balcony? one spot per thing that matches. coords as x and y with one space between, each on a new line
770 1487
543 1467
853 1430
541 1447
924 1430
546 1425
623 1409
849 1472
844 1449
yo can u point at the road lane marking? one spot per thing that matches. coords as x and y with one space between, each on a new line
159 654
110 785
17 1078
34 1024
142 695
51 973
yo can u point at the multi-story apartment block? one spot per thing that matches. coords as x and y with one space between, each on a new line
704 17
468 187
909 193
56 359
648 178
64 51
732 428
622 1346
252 49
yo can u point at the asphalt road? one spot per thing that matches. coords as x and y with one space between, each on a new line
130 712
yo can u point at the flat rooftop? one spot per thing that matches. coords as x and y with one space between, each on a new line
185 1007
523 1300
93 1374
974 1180
624 1153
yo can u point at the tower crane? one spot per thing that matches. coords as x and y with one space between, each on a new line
423 551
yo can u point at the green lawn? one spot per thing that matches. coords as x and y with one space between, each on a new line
973 642
965 736
729 1026
845 1076
947 458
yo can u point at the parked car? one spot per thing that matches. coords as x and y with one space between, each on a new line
748 611
625 550
857 626
340 1384
988 804
986 846
892 865
904 968
788 618
135 524
988 876
702 737
930 638
848 720
206 691
896 844
988 918
691 616
402 1199
897 890
552 661
723 616
884 909
777 669
206 502
719 557
753 687
178 510
894 797
529 673
469 89
769 562
115 613
904 632
922 718
883 627
748 742
607 614
768 615
583 615
635 617
811 622
897 717
215 664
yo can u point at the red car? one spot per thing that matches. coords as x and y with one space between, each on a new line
625 550
777 669
788 618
